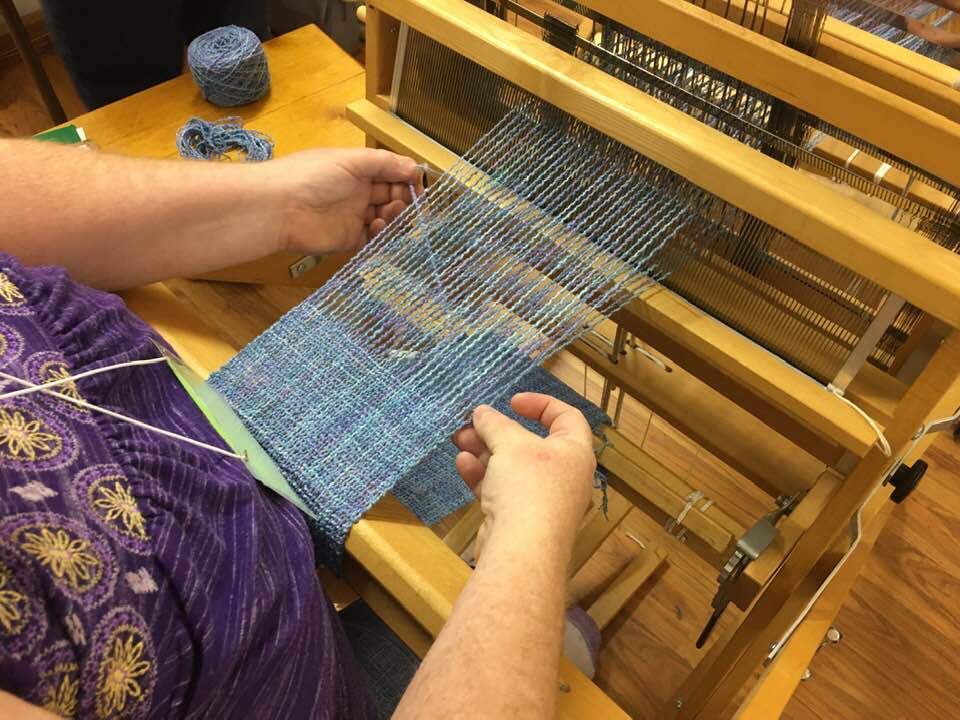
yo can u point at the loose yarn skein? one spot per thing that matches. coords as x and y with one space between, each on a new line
229 66
203 140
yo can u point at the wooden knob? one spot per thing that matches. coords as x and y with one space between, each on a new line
362 14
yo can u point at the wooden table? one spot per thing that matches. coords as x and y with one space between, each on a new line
399 566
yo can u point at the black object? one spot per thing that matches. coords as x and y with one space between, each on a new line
905 480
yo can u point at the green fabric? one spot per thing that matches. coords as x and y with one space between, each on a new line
66 135
233 432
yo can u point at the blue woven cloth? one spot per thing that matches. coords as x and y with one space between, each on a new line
541 230
433 489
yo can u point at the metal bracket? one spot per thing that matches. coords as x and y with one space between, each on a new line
749 547
302 266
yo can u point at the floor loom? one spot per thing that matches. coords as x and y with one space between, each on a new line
814 454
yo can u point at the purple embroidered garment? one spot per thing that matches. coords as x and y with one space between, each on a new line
140 576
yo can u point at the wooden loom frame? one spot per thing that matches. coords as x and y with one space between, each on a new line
736 375
903 72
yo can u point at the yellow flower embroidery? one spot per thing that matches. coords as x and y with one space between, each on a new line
65 556
21 437
59 372
13 605
118 676
9 292
119 503
62 699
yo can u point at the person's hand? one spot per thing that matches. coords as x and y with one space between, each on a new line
529 486
336 200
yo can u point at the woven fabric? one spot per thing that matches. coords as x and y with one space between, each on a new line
543 227
434 489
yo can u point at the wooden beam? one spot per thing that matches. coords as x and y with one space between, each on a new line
833 95
381 34
896 258
597 528
716 423
387 608
630 467
458 538
758 573
605 608
738 357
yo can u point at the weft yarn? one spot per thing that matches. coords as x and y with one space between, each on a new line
542 229
229 66
203 140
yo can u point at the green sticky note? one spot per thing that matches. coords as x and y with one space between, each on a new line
67 135
225 421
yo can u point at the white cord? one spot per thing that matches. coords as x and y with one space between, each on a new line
853 546
692 499
119 416
651 357
881 171
814 140
881 438
855 152
79 376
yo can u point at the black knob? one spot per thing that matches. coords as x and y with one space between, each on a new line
906 479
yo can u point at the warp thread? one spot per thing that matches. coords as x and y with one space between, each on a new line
203 140
229 66
544 228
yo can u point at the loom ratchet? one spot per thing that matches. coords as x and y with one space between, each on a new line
749 547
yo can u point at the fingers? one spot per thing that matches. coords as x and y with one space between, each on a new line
555 415
493 427
375 227
376 219
383 193
383 166
468 439
470 469
389 211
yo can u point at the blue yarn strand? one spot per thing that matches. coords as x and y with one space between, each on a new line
203 140
229 66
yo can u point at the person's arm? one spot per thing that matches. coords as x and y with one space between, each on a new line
499 654
116 222
13 708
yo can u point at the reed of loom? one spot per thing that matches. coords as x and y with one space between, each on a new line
778 426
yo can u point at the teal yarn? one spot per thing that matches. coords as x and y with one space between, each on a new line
203 140
229 66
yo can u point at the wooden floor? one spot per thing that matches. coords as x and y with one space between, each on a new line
901 626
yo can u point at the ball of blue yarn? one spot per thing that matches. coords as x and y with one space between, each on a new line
203 140
229 66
